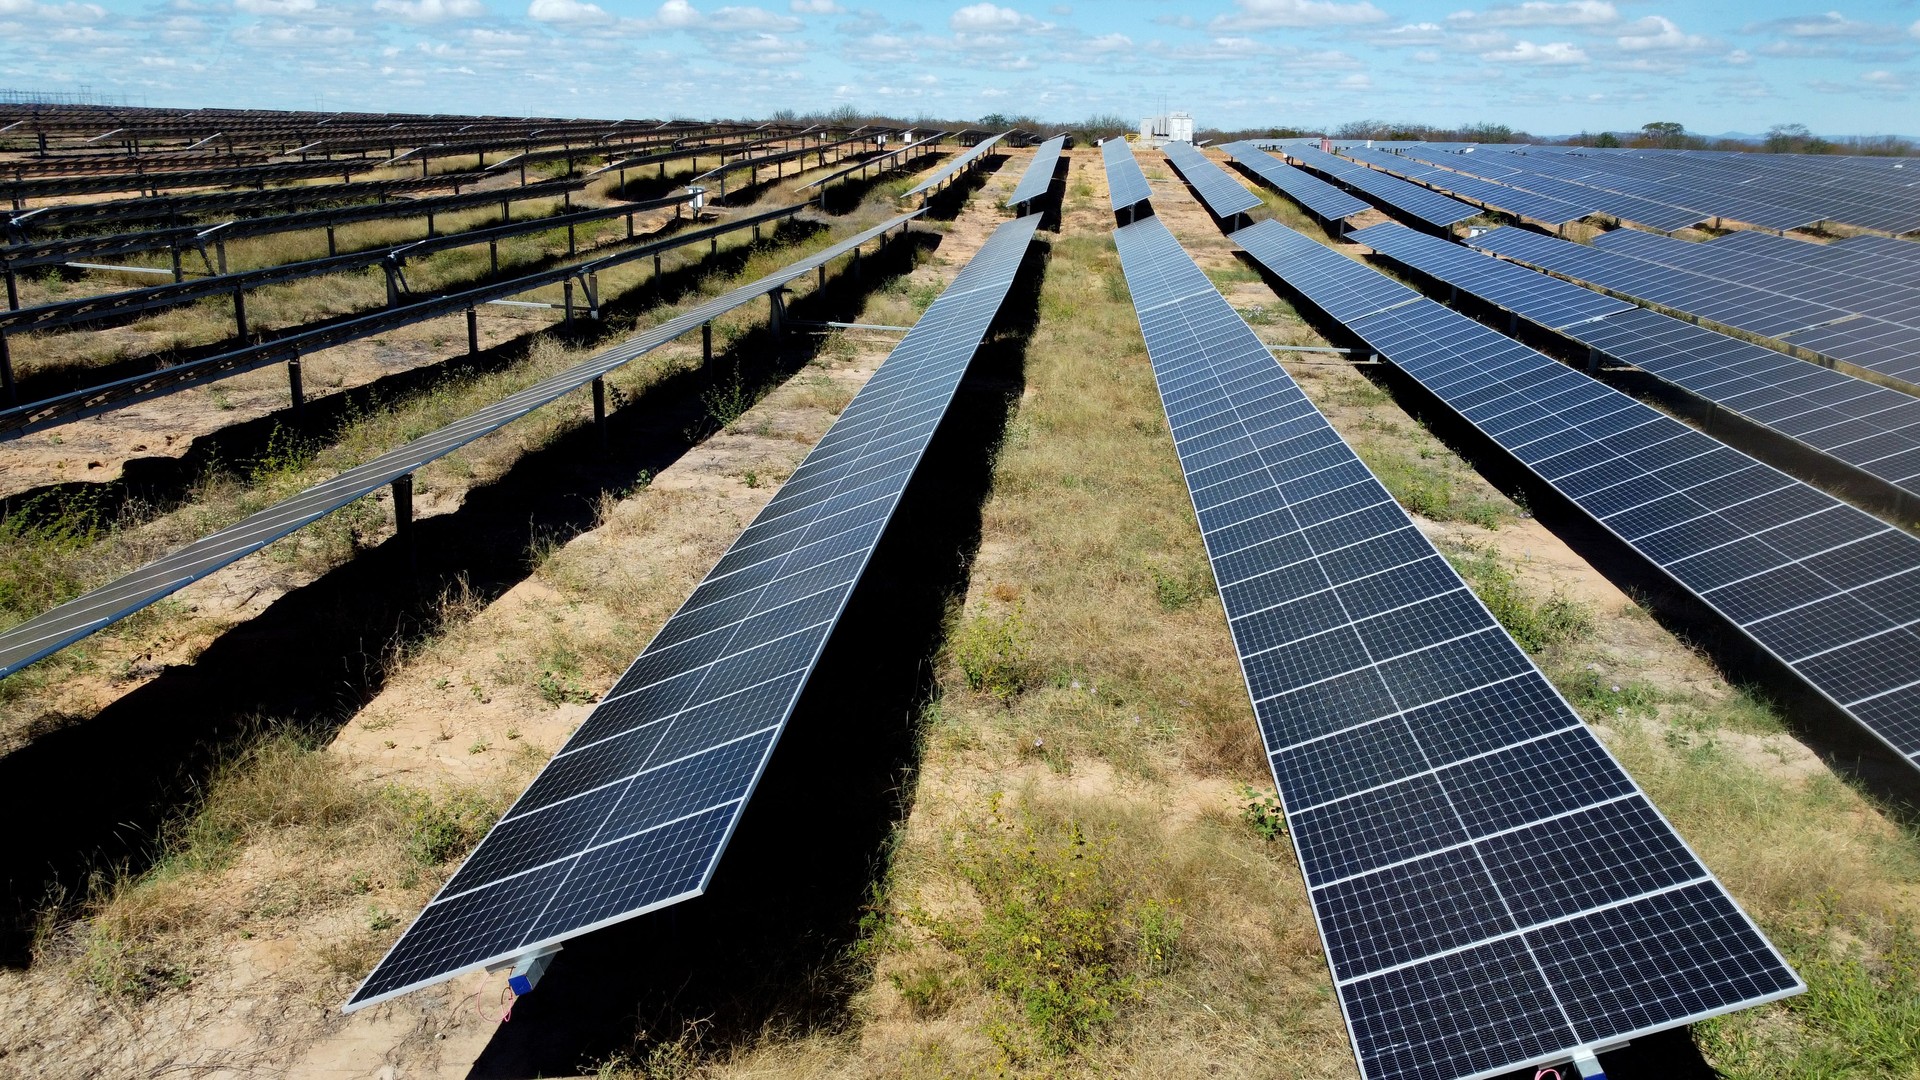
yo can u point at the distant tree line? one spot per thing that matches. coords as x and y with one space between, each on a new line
1660 134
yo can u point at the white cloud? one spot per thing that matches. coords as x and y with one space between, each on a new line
427 11
1274 14
1656 32
1107 43
566 11
1552 54
66 13
1542 13
988 19
1915 28
816 7
277 7
1884 80
676 13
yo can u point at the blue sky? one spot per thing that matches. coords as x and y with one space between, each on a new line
1549 66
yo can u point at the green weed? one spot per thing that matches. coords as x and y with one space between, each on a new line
1537 623
992 651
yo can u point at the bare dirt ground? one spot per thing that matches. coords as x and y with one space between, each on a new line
264 995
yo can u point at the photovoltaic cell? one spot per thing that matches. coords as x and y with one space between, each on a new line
1870 427
1469 846
1039 175
28 641
1126 184
1225 197
1323 200
1824 587
634 811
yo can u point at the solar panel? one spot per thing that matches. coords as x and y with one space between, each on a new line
1126 184
1476 919
635 810
1842 288
1555 212
1744 308
28 641
972 155
1345 289
1870 427
1827 589
1225 197
1413 200
1323 200
1821 328
1038 178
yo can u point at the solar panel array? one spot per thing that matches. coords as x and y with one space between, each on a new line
1126 184
1864 425
1827 589
28 641
1412 200
1626 207
972 155
1667 189
1887 334
635 810
1225 197
1552 211
1323 200
1492 889
1037 180
1865 341
892 159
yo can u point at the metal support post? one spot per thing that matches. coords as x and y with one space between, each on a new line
178 274
706 343
593 295
570 243
403 505
473 332
429 224
220 252
630 222
393 284
600 409
295 390
713 246
332 248
776 310
13 291
823 275
6 373
240 312
566 290
493 255
1593 361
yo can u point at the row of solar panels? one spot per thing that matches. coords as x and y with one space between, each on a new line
1478 917
636 809
1861 425
1673 191
1849 311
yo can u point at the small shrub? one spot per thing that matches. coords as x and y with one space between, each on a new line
1175 591
559 688
1055 933
1261 812
992 651
925 990
727 400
